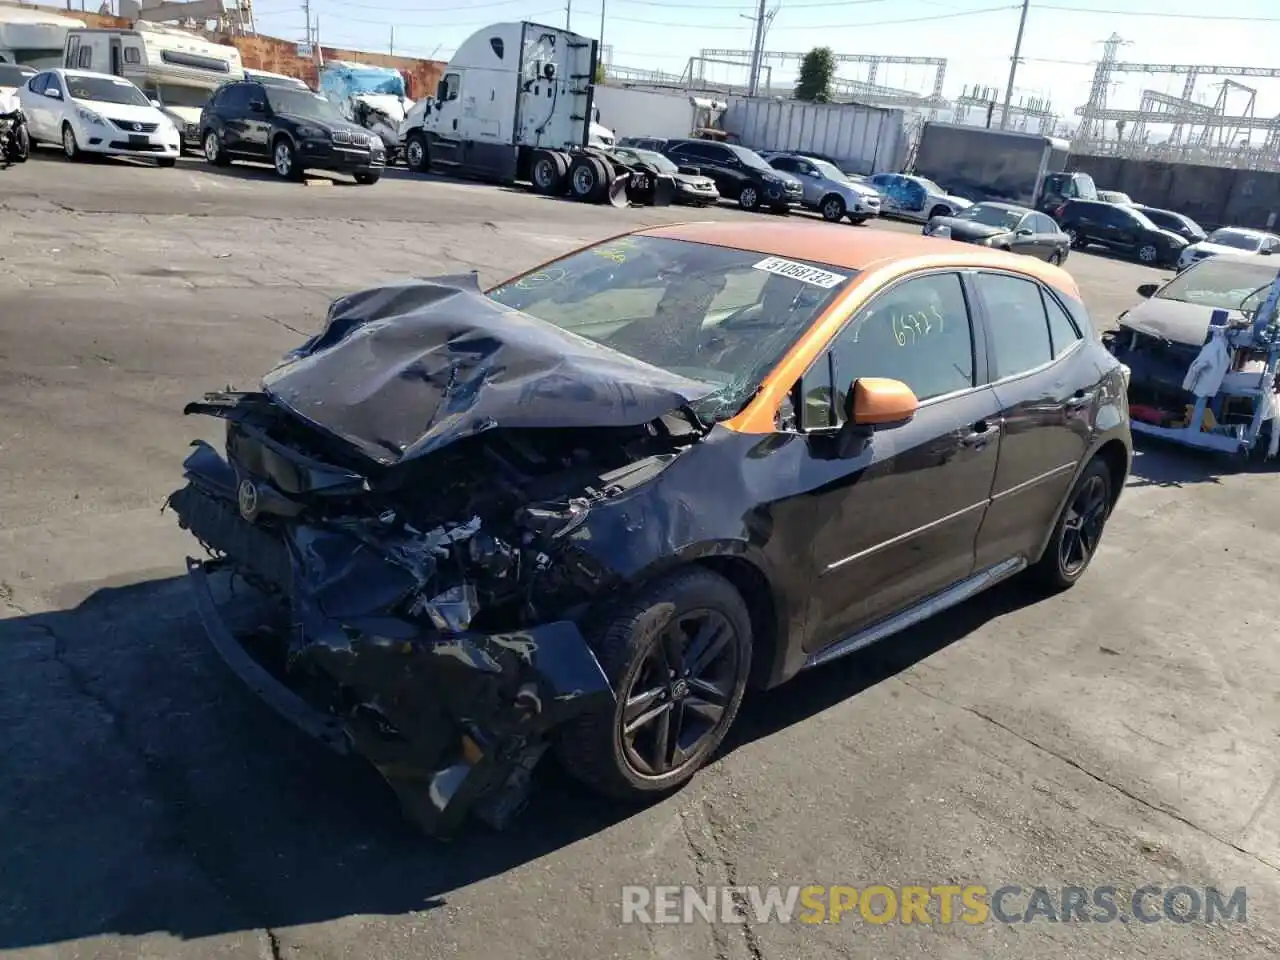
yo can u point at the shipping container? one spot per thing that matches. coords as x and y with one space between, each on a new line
858 138
666 114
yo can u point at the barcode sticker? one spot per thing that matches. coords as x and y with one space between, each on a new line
801 271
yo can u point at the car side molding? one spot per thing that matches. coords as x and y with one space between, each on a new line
931 606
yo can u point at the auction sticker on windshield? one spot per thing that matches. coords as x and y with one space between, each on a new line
800 271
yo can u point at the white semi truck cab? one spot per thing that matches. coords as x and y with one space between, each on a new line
510 91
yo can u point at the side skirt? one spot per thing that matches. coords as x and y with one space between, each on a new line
927 608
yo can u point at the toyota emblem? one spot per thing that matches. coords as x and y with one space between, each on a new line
137 126
248 498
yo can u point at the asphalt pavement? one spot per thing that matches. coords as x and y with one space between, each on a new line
1123 734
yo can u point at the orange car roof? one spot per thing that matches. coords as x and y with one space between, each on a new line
854 248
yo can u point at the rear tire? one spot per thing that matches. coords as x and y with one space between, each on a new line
941 211
549 171
858 221
166 161
1079 530
749 198
1055 258
214 155
587 180
625 755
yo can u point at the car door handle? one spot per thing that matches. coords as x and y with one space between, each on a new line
980 434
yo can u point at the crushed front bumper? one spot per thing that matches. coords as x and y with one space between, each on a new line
454 722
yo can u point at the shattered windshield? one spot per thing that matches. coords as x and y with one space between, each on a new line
989 216
714 314
1221 285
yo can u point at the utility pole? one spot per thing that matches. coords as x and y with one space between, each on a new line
1013 64
601 41
757 52
391 45
568 14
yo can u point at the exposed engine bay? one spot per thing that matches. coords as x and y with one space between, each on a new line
483 526
416 485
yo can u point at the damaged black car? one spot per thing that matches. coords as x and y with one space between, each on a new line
584 510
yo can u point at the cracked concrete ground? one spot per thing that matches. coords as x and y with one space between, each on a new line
1123 734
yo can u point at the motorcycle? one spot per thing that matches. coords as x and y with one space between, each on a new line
15 141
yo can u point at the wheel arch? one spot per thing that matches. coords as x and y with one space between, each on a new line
1113 452
748 572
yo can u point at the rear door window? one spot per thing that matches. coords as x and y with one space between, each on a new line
1017 324
1063 332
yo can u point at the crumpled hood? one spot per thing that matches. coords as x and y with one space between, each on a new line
182 115
1173 320
401 371
394 107
967 229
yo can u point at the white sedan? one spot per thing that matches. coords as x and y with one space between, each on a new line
97 113
1230 240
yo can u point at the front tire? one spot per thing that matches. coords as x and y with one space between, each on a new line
70 148
22 148
1074 239
940 211
1149 254
858 221
1079 530
367 179
678 656
166 161
285 160
416 157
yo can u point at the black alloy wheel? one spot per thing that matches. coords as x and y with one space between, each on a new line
1082 532
1079 529
678 657
677 699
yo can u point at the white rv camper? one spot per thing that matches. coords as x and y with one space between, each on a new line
33 37
177 69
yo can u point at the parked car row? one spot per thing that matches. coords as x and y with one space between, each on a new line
278 121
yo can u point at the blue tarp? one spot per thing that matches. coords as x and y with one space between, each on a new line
340 80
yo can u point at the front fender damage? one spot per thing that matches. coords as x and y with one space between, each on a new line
455 724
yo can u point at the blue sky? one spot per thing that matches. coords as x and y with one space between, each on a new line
1062 36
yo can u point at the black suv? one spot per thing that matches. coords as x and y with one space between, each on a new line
1058 188
1122 229
739 174
289 128
1184 227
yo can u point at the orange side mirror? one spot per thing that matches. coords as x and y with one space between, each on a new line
876 400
